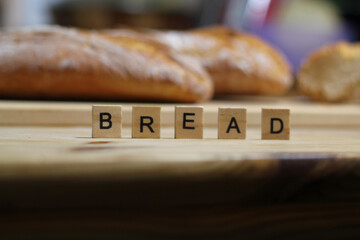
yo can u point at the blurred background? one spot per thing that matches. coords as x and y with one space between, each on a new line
294 26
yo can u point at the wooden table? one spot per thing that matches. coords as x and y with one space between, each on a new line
56 180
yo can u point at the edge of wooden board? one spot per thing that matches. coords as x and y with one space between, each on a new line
36 113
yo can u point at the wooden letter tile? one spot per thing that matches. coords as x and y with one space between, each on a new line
146 122
232 123
189 122
275 123
106 121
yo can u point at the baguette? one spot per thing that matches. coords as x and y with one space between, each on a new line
63 63
332 73
238 63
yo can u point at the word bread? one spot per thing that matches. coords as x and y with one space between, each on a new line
189 122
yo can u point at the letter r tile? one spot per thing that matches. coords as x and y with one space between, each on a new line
189 122
106 121
146 122
275 123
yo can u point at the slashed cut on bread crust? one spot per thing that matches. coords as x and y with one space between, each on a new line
63 63
238 63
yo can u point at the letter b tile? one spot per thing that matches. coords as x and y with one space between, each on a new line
106 121
146 122
275 123
189 122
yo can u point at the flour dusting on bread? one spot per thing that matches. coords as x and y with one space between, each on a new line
75 53
236 62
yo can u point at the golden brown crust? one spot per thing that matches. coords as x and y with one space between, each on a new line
62 63
252 66
331 73
237 62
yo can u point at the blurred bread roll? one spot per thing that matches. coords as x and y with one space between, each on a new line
63 63
238 63
332 73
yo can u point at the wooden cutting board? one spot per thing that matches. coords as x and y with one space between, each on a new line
54 138
54 173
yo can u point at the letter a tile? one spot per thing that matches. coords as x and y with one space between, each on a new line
232 123
189 122
106 121
146 122
275 123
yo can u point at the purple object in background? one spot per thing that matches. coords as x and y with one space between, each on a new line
296 27
297 44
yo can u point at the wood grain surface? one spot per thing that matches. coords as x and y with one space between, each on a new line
303 112
57 182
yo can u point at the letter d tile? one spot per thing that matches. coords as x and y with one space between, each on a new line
106 121
275 123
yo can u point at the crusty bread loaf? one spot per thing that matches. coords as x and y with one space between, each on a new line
237 62
62 63
332 73
244 64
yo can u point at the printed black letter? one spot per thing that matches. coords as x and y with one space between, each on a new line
272 125
142 124
233 120
108 120
187 120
